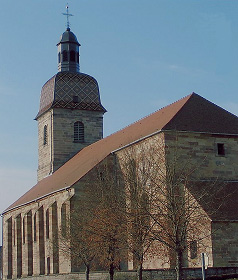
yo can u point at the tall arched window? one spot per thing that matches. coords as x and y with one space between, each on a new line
63 220
78 132
45 136
59 57
65 56
77 55
9 251
34 227
24 230
72 55
47 223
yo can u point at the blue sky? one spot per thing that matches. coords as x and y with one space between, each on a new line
144 54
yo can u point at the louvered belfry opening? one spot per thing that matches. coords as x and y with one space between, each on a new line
78 132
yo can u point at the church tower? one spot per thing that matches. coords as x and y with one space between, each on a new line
70 116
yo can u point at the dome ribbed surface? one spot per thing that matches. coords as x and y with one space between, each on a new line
68 36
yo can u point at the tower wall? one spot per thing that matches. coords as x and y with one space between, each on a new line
63 132
60 145
44 150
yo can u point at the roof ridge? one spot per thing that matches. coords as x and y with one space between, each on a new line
162 108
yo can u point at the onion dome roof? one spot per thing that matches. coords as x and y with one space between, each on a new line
75 91
68 37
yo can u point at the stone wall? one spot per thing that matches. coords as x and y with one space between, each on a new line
225 243
28 233
149 157
201 150
21 224
159 274
60 145
44 150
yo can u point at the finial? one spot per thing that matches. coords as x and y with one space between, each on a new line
67 15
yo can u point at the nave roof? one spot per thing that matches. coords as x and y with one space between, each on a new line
191 113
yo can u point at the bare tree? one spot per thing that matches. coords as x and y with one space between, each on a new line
75 241
138 219
108 228
94 233
168 202
148 199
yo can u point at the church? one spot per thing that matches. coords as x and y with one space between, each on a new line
71 145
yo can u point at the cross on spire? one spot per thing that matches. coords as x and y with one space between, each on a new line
67 15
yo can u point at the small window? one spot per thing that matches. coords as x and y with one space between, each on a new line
65 56
72 56
220 149
45 137
78 132
59 57
77 55
193 249
75 99
101 176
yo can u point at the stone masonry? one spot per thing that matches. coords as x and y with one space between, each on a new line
30 249
60 145
201 150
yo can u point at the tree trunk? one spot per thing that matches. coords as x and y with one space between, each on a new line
139 271
87 272
111 271
178 267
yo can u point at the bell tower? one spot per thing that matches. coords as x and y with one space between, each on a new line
68 52
70 116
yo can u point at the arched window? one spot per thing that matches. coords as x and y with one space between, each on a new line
65 56
45 136
10 235
78 132
72 55
34 227
193 249
144 209
59 57
29 240
47 223
24 230
63 220
77 55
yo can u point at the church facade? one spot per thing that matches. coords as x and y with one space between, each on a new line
71 146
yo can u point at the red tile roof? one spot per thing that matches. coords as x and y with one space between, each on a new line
191 113
201 115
